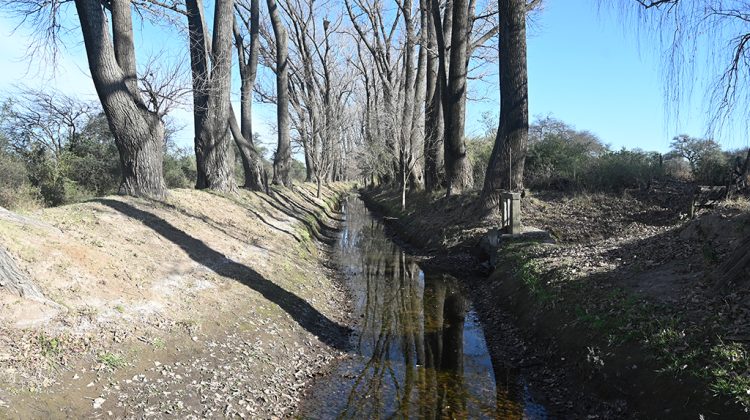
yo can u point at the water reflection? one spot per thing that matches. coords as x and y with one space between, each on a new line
420 351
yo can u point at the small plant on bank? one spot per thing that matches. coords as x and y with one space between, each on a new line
730 371
49 346
111 360
158 343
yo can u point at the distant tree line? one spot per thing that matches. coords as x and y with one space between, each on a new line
561 158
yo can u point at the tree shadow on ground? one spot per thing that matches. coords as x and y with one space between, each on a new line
321 232
330 332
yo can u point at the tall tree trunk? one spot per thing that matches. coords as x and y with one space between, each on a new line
505 169
406 159
138 132
307 149
457 170
251 159
211 93
282 158
416 178
309 173
433 143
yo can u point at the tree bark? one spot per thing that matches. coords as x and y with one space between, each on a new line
407 112
416 142
505 169
15 280
138 132
251 159
458 171
282 158
433 143
211 93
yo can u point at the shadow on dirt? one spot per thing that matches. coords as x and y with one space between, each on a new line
330 332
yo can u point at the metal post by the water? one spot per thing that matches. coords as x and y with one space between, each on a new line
511 212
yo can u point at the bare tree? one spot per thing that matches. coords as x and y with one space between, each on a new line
283 156
703 42
164 84
457 169
210 61
247 58
46 119
505 169
434 129
138 131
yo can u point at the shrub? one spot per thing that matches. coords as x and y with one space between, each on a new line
616 171
180 170
92 162
559 156
479 150
16 193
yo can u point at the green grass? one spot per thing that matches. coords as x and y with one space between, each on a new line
614 317
158 343
731 372
49 346
111 360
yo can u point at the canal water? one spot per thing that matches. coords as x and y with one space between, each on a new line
418 350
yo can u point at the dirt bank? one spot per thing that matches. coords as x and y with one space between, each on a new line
618 317
197 306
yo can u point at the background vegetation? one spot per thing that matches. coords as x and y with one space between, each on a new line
57 150
562 158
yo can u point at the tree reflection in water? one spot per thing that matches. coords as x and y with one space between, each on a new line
419 351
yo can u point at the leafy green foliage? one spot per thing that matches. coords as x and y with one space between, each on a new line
479 150
57 150
708 164
91 160
180 169
111 360
297 171
615 171
49 346
16 192
563 158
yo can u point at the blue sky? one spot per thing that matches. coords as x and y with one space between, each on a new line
585 68
588 70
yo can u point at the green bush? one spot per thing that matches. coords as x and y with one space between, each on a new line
616 171
297 171
557 162
44 174
180 170
92 162
713 169
16 192
479 150
559 156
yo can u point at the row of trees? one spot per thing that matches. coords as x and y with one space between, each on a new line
365 85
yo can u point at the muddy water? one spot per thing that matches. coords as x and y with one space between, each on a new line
418 350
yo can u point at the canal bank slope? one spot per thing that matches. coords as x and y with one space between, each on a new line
200 305
619 317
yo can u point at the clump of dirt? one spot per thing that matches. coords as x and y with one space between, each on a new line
199 305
